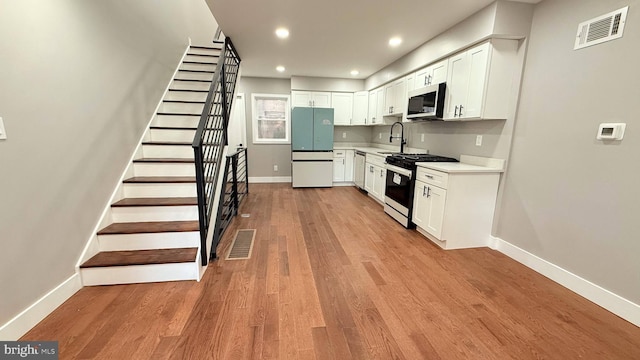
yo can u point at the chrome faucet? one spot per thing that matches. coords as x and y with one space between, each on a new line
403 141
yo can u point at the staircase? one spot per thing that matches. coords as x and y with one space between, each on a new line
153 233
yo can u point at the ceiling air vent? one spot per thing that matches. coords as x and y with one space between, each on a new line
603 28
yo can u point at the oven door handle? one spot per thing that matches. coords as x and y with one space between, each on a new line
406 172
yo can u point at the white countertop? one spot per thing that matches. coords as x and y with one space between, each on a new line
467 164
458 167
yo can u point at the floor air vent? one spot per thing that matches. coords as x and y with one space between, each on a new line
242 245
603 28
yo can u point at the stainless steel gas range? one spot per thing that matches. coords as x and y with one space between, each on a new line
399 188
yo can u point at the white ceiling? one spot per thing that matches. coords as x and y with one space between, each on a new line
329 38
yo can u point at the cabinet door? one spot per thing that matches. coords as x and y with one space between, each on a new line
342 104
349 160
369 177
420 205
380 105
422 77
389 99
373 107
436 198
478 59
301 99
457 82
360 108
400 93
338 169
439 72
321 99
380 175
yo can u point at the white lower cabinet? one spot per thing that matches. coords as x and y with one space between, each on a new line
375 176
349 160
455 210
338 165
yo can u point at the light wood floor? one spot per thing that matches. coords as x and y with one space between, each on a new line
333 277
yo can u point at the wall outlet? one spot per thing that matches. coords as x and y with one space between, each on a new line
275 167
421 137
479 140
379 135
344 135
3 133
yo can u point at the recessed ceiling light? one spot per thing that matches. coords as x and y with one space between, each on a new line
282 33
355 72
280 68
395 41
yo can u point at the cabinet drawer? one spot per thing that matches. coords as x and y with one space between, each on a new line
375 159
339 153
433 177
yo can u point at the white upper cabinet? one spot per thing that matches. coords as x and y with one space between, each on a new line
342 104
311 99
479 81
431 75
360 108
380 105
371 111
395 97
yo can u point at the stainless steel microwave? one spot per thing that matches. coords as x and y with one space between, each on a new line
427 103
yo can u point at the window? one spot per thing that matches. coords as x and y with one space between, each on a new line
271 119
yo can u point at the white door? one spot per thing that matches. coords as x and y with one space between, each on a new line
373 107
478 63
301 99
349 159
369 177
435 210
457 83
338 169
420 205
380 106
321 99
360 108
422 78
237 130
342 104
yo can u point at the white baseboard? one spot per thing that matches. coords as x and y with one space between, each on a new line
603 297
269 179
37 311
343 184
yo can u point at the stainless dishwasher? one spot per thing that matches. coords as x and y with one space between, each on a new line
358 175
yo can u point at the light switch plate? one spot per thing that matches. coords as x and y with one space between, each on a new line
421 137
479 140
3 133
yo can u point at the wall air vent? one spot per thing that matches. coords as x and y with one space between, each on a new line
603 28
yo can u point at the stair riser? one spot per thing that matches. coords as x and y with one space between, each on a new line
207 67
181 108
159 190
190 85
205 51
154 213
186 96
167 151
194 75
176 121
208 59
164 169
172 135
139 274
148 241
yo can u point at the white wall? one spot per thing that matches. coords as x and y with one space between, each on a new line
570 199
80 80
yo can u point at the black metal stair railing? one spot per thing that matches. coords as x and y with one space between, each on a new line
211 137
236 187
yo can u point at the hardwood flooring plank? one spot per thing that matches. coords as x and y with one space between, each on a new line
333 277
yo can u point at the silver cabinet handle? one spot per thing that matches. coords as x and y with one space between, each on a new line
429 176
425 80
428 191
460 114
381 173
342 161
370 169
424 191
455 112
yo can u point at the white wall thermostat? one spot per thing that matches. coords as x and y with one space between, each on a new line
611 131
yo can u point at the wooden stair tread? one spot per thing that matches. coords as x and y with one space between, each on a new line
163 201
141 257
164 160
171 143
195 80
150 227
159 179
207 55
198 71
208 47
172 128
198 62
